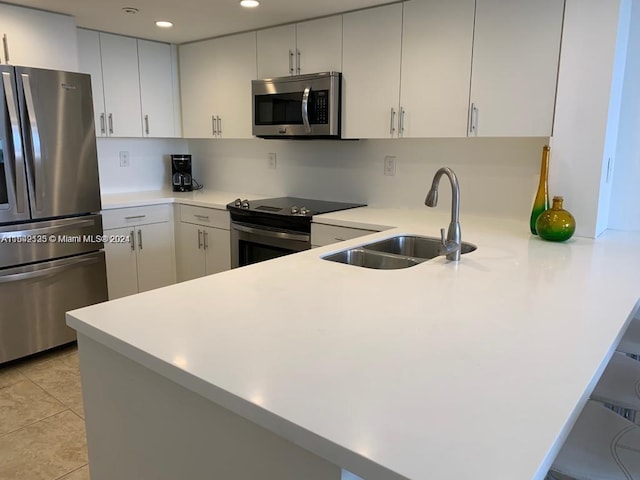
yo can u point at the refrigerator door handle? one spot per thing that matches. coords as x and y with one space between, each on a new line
38 183
46 272
18 192
32 232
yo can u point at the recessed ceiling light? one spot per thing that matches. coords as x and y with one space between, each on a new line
163 24
249 3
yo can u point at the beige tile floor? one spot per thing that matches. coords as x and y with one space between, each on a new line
42 435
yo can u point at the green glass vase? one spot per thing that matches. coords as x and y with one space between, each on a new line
541 202
556 224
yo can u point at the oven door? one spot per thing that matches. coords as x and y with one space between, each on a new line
252 244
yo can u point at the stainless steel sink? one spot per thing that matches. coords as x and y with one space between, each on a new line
414 246
393 253
370 259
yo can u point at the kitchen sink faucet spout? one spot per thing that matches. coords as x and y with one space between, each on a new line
450 244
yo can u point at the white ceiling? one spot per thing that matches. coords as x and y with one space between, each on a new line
192 19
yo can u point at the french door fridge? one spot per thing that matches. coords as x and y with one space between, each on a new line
51 257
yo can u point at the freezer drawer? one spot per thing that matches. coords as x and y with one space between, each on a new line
49 239
34 300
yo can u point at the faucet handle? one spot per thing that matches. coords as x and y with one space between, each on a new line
448 247
443 237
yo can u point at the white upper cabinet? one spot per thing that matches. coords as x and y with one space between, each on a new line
319 45
307 47
38 39
437 43
515 67
156 89
121 82
276 51
89 62
371 72
134 84
215 86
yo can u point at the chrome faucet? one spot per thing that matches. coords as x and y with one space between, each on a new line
451 244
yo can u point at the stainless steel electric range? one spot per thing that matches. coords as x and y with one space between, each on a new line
273 227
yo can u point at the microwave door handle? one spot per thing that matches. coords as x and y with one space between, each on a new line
17 192
38 183
305 109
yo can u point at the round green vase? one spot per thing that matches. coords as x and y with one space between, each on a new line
556 224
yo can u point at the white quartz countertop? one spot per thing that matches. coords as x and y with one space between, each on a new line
201 198
442 370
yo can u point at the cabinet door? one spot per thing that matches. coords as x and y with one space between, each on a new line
276 51
235 67
515 66
39 39
197 76
371 71
437 41
89 62
156 88
155 256
217 245
319 45
190 258
122 273
121 85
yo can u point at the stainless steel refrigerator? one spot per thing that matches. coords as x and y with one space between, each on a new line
51 257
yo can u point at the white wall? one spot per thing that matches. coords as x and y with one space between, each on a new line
149 161
498 177
624 213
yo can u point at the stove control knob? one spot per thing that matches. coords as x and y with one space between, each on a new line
294 210
245 203
237 202
304 211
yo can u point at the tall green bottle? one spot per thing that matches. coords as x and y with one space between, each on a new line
541 202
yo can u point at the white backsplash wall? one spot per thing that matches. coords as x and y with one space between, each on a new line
149 163
498 177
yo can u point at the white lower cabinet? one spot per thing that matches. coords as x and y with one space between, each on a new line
204 242
139 249
322 234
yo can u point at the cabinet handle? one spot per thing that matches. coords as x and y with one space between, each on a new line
201 217
206 239
298 61
290 62
146 124
133 217
401 123
132 240
111 123
5 42
219 126
473 120
213 125
199 239
339 239
392 128
140 239
102 124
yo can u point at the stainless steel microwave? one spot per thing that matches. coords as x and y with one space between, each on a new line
301 106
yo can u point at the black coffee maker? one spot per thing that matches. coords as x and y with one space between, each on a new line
181 173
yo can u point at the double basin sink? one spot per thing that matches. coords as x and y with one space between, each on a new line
393 253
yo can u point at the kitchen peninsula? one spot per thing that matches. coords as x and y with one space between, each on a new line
300 367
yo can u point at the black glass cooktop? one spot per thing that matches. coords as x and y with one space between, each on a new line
291 206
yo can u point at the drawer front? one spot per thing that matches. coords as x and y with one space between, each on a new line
209 217
322 234
124 217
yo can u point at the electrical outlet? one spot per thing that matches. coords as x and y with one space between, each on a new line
389 166
272 161
124 159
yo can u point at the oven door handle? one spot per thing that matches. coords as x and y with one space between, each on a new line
300 237
305 109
